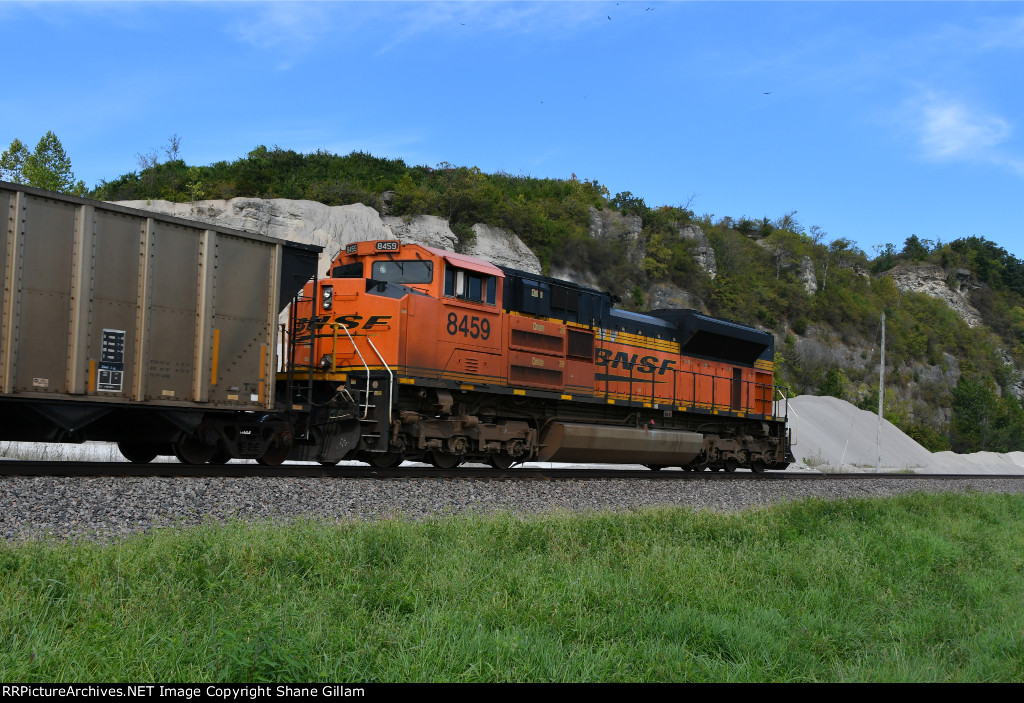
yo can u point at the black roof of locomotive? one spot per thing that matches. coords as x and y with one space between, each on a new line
702 335
698 334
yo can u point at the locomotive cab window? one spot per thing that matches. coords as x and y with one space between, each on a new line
470 285
348 271
392 271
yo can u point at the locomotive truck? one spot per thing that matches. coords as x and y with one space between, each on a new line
163 335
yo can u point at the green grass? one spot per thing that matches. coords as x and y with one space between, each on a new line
916 588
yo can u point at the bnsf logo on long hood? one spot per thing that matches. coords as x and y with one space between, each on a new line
631 362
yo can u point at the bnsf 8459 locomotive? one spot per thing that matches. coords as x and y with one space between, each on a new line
159 333
407 352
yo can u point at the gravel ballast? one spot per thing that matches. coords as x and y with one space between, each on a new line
106 508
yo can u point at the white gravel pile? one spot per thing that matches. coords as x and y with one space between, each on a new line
833 435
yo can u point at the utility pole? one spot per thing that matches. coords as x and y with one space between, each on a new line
881 395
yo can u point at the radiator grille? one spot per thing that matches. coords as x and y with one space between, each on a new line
565 299
534 376
535 340
581 344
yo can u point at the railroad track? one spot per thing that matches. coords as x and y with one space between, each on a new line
247 470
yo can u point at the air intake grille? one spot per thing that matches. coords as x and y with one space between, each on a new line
535 340
581 344
535 376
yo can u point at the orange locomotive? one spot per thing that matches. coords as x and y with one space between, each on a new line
408 352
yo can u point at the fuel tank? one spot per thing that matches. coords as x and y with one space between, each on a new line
603 444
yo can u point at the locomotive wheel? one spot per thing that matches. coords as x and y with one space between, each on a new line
220 457
731 465
444 460
384 460
329 463
501 462
191 451
137 453
758 466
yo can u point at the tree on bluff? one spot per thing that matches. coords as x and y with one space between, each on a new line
12 162
47 167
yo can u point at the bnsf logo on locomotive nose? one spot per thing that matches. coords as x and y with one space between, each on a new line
350 322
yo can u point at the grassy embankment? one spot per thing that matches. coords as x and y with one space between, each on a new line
918 588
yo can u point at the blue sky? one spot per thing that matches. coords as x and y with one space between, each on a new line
881 120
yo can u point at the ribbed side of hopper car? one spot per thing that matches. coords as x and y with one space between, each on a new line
151 331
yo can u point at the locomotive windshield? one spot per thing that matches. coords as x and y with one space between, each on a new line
392 271
348 271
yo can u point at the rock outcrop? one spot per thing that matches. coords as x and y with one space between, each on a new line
704 253
608 224
334 227
932 281
807 275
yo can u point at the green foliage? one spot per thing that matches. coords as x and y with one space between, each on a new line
194 186
12 162
47 167
629 204
932 438
885 259
836 384
914 250
985 421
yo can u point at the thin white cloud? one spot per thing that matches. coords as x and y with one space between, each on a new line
994 34
289 29
952 130
537 20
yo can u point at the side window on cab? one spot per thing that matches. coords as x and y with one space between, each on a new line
469 285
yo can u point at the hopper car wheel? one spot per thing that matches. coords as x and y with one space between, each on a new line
384 460
137 453
501 462
444 460
192 451
329 463
654 467
276 455
220 457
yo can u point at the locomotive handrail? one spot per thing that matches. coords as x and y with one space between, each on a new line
366 407
795 425
391 377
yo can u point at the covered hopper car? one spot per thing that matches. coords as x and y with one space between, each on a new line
151 331
161 334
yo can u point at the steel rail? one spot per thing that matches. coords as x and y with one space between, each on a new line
246 470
